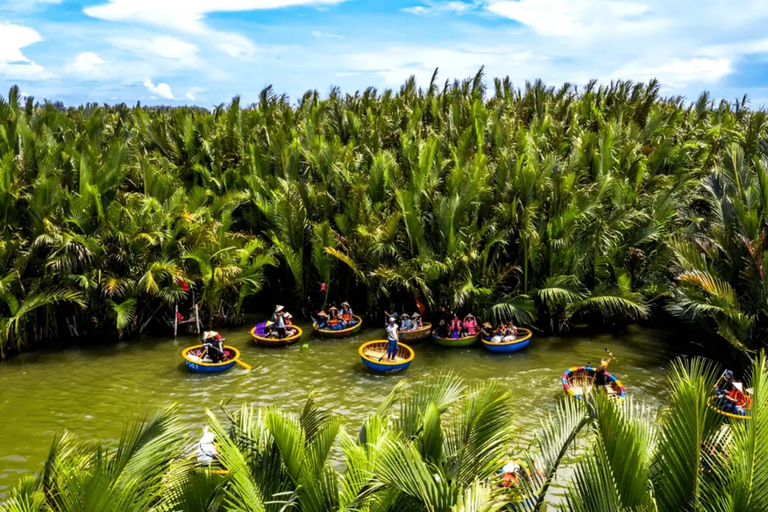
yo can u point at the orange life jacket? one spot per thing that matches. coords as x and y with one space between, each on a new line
347 317
740 398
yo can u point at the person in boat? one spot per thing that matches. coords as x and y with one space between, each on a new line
730 394
470 325
322 320
486 331
509 474
601 378
279 321
442 328
501 333
405 323
456 327
416 322
392 337
206 449
213 344
511 332
335 321
347 315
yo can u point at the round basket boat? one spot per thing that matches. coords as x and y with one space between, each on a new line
577 382
340 333
466 341
522 340
415 335
713 405
371 352
266 341
192 355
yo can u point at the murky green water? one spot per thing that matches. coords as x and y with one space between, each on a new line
93 391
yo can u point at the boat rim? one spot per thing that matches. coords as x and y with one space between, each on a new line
513 342
426 326
361 351
728 414
476 335
275 340
358 324
223 363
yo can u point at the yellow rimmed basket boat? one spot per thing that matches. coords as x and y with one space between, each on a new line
522 340
578 381
712 404
371 352
266 341
340 333
415 335
192 357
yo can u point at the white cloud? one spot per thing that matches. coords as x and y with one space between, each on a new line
161 90
582 18
167 47
13 63
193 92
88 64
432 7
185 15
320 34
397 63
677 73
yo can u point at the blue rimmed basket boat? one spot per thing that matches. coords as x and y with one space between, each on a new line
192 355
578 381
523 340
340 333
466 341
371 352
257 333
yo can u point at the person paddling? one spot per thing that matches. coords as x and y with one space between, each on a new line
214 346
392 338
601 379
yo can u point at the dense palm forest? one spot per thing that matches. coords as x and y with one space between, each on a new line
600 205
436 447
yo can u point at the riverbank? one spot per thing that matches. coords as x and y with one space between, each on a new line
93 391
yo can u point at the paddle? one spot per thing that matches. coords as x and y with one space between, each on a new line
243 364
611 354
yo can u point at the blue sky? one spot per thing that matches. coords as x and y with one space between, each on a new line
206 51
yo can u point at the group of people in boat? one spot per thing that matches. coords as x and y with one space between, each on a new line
279 326
730 395
407 322
335 319
503 333
451 326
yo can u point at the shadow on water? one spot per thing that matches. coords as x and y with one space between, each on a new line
94 390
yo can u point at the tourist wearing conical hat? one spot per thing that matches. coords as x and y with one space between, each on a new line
416 321
486 331
347 315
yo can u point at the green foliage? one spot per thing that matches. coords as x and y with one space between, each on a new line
543 206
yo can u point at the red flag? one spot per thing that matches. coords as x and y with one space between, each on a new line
179 317
421 307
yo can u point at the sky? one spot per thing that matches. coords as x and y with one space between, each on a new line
204 52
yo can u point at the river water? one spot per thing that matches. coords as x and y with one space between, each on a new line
93 391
